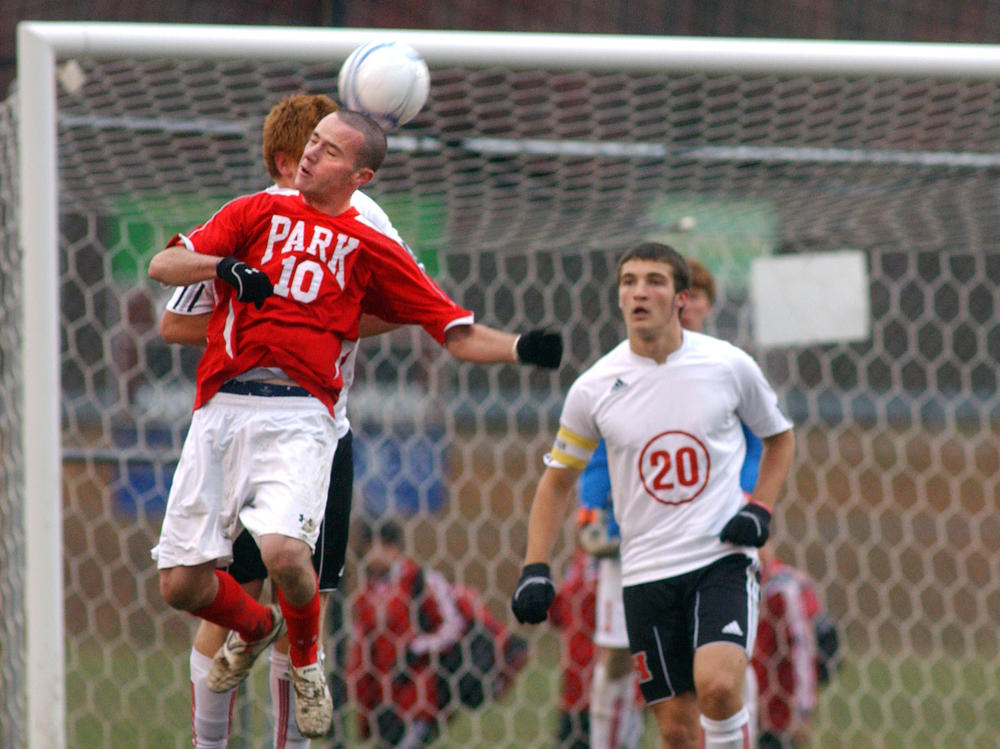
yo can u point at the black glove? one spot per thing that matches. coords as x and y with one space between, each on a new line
534 594
749 527
251 284
540 347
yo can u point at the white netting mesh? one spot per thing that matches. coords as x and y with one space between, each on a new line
519 189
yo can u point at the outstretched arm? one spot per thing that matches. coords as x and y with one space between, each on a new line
482 344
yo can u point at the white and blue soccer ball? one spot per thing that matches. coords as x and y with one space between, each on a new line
388 81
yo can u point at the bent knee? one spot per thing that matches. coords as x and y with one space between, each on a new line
185 588
285 557
680 736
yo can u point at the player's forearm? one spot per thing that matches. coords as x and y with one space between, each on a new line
191 330
549 508
480 344
775 462
178 266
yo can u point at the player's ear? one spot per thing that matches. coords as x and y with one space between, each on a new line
287 166
362 176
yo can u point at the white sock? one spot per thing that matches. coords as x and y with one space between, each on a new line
210 711
615 721
730 733
286 730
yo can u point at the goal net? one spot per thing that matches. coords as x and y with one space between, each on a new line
536 161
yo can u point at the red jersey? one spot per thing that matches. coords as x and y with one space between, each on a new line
574 612
785 656
382 671
325 270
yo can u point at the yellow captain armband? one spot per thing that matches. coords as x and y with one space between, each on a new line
572 450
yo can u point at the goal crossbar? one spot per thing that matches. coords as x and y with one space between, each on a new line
40 45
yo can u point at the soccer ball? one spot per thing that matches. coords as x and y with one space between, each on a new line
388 81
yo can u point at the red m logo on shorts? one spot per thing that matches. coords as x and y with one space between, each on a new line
640 667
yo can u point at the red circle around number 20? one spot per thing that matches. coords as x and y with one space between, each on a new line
674 467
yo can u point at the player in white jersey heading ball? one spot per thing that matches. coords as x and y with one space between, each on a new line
668 404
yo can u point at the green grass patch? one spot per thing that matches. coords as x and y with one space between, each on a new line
143 700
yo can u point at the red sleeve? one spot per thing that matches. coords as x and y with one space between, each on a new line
224 233
401 292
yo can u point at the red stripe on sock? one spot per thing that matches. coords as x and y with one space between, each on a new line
616 715
194 733
284 705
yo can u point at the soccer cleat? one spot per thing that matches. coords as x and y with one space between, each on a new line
232 662
313 703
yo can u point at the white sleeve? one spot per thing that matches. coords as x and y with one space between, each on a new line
373 213
378 219
578 436
196 299
758 407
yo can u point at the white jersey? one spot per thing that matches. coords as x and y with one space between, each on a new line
199 298
675 447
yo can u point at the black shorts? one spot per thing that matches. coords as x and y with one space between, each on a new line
667 620
331 546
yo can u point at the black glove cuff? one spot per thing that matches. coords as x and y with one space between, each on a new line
224 267
759 510
536 569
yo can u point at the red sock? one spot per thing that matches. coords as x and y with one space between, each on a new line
303 629
234 608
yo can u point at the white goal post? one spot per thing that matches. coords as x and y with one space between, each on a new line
42 45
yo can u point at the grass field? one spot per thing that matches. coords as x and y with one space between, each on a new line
873 702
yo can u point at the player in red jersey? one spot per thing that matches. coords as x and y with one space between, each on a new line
295 273
785 656
573 614
285 132
421 646
284 135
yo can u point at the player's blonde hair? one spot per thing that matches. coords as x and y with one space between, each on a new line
289 125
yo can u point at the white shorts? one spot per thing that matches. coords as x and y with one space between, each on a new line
610 629
261 463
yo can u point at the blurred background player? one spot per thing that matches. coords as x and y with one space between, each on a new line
286 130
403 616
572 613
615 716
421 647
615 708
787 658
